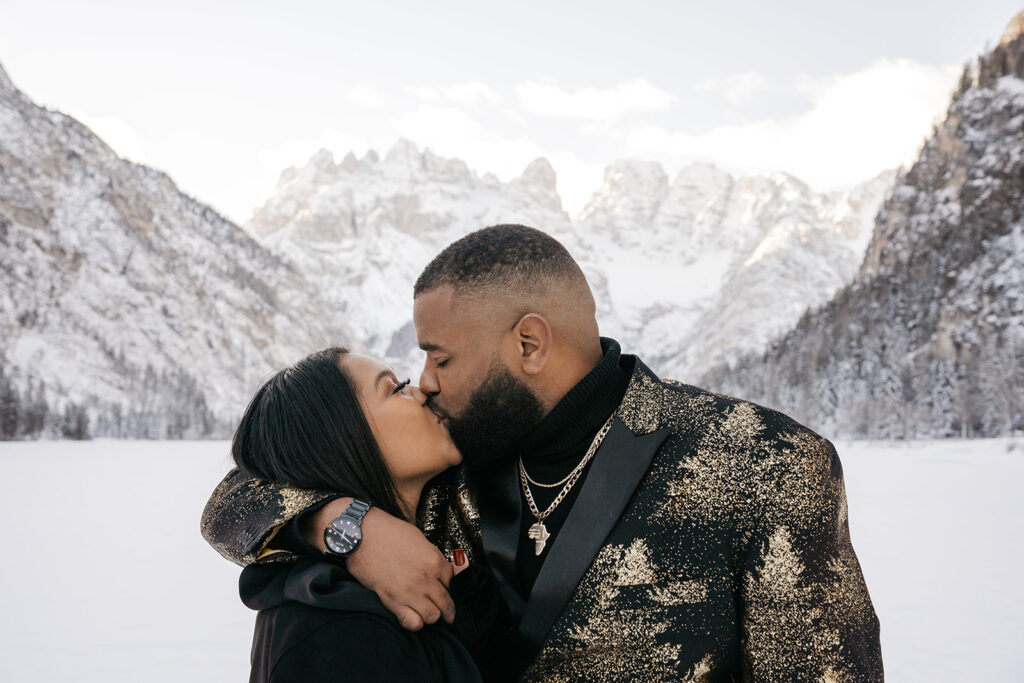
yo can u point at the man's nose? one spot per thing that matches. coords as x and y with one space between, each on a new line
428 381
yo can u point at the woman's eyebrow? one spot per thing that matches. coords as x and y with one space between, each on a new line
383 373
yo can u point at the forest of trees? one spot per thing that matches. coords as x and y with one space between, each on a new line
164 405
26 414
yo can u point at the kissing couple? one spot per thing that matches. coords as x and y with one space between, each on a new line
541 507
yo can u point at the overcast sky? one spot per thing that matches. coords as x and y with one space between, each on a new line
225 95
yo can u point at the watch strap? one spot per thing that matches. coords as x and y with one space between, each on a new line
357 509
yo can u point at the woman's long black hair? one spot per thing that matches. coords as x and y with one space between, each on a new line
305 427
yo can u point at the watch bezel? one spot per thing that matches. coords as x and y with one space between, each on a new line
348 525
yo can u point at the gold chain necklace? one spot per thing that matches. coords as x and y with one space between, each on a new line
538 533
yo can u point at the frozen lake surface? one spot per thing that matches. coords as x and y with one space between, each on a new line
105 577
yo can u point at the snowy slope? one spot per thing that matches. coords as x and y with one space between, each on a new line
126 307
928 341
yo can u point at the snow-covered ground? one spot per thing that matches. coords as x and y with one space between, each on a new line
105 577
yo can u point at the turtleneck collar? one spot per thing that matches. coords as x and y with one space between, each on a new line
583 410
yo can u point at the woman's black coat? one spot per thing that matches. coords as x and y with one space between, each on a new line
317 624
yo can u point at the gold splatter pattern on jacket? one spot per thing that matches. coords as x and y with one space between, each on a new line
741 506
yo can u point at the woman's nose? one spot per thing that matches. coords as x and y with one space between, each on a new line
418 394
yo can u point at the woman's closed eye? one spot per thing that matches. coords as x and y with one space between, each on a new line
401 385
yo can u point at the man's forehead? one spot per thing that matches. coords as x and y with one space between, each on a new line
436 300
442 318
433 319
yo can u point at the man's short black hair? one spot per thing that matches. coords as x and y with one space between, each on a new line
513 257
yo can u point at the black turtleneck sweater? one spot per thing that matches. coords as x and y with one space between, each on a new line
557 445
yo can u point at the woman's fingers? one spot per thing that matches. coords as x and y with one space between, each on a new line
459 560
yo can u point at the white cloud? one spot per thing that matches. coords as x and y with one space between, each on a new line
469 94
858 125
116 132
736 89
425 93
364 96
596 104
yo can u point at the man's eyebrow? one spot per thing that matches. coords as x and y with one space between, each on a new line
383 373
428 346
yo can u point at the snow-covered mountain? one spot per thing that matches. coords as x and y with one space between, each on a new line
671 263
126 307
363 229
928 341
708 267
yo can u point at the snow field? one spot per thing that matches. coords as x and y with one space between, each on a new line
105 576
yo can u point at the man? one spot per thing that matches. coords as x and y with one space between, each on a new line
638 528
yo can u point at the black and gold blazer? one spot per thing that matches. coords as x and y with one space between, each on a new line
709 542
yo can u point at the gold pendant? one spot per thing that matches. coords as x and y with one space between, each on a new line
539 533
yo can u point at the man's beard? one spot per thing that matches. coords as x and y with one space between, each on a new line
501 413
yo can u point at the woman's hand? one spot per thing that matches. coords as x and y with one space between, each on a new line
460 562
395 561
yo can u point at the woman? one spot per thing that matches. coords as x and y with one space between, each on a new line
342 421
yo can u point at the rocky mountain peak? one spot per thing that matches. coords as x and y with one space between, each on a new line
540 172
535 189
350 163
444 169
629 195
638 175
698 169
698 183
5 80
1014 29
404 153
323 160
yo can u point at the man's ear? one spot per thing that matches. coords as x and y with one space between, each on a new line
533 342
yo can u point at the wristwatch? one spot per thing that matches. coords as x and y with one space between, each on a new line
343 534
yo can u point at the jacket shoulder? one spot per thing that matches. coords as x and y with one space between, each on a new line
735 446
710 418
722 407
762 466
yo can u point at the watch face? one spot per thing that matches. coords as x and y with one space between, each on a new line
342 536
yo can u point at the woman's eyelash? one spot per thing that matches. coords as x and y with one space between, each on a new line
401 386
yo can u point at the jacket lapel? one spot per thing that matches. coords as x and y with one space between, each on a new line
619 465
501 512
